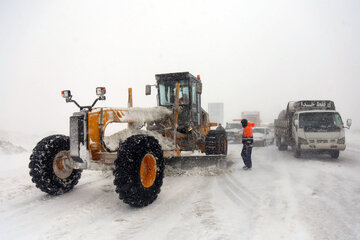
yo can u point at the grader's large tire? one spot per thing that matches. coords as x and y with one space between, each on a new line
139 170
223 144
50 166
216 143
211 141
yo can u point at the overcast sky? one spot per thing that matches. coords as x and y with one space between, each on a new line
251 55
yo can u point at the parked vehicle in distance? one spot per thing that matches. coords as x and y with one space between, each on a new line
252 116
234 132
263 136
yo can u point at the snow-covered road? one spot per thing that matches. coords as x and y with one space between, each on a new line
314 197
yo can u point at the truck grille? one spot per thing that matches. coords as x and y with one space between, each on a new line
323 141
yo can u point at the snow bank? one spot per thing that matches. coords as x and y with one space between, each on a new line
9 148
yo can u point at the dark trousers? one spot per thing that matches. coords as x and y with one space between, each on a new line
246 156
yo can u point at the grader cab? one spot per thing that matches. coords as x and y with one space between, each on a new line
135 154
193 123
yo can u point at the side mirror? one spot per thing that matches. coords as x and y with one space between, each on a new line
66 94
348 123
100 91
148 90
198 88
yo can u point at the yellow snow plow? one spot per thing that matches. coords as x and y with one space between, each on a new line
136 154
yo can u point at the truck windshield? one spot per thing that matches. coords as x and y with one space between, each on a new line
320 122
167 90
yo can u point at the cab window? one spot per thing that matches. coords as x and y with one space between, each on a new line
167 90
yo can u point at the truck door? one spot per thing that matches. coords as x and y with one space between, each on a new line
294 128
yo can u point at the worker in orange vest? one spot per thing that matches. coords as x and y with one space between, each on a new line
247 140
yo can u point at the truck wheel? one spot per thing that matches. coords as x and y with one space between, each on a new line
335 154
51 166
139 170
277 142
282 147
264 143
297 152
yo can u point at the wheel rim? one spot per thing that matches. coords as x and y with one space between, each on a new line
62 165
148 170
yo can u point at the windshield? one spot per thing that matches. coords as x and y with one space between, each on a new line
167 91
258 130
320 121
233 125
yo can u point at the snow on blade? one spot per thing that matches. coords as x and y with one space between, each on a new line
196 171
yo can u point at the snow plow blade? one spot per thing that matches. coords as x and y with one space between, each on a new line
188 162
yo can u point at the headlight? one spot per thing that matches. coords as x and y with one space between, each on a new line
341 140
100 91
302 141
66 93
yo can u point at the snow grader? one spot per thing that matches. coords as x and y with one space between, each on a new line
136 154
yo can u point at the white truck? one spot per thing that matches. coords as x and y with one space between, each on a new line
311 125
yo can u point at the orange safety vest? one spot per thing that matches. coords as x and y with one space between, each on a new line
248 132
250 124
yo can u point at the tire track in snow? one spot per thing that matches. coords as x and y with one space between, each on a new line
275 214
234 193
205 212
174 206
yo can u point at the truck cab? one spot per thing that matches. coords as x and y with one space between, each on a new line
318 130
311 126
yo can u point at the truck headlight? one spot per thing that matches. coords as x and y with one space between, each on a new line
341 140
302 140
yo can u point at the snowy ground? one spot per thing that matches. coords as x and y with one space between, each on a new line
314 197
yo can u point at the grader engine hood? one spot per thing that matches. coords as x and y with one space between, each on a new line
87 127
142 115
138 117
